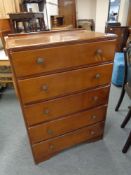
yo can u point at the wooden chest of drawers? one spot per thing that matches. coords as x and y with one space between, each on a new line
63 82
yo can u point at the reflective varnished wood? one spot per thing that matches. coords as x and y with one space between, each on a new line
67 124
44 150
58 58
63 106
47 87
63 82
49 39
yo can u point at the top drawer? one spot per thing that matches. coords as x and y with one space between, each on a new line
56 58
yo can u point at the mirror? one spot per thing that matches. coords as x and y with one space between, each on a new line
113 12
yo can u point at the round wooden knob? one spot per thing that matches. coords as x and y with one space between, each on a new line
45 87
51 147
94 117
97 76
49 131
92 132
40 60
99 52
46 111
95 98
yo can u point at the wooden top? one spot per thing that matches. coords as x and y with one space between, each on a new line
111 26
47 39
25 15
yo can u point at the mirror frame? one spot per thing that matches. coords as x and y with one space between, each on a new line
109 7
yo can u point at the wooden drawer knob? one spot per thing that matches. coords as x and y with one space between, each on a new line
50 132
99 52
97 76
93 117
46 111
40 60
45 87
95 98
92 132
51 147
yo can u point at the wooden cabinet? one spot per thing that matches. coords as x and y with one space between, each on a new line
122 35
67 9
63 82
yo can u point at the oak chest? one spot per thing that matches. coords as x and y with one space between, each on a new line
63 82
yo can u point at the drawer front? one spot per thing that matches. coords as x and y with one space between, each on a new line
56 108
46 87
49 59
50 147
61 126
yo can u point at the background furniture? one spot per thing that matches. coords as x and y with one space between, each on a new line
63 96
40 3
5 71
111 23
31 22
57 21
5 75
126 70
87 24
5 29
127 88
67 9
128 141
122 33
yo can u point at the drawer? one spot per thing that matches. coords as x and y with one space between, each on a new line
50 86
46 149
67 124
56 108
50 59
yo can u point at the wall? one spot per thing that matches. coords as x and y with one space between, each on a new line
8 6
93 9
101 14
86 9
123 12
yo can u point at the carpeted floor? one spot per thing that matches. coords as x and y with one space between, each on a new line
100 158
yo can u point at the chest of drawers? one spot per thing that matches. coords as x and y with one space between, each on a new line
63 83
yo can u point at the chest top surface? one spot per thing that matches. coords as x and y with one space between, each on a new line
47 39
